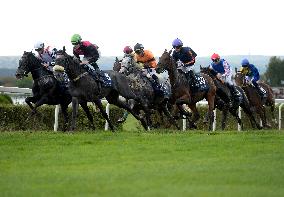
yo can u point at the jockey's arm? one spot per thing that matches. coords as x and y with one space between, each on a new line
190 63
227 69
94 54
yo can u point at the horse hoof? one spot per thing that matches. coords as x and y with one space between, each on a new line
205 121
268 126
121 120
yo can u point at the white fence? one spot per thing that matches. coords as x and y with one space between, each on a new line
28 91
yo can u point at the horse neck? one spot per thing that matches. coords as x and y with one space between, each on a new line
74 70
37 70
173 73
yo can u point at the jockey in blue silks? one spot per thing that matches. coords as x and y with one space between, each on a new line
252 75
185 58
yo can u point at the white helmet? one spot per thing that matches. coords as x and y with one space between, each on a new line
38 45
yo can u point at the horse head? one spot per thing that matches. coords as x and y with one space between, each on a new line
205 70
27 63
116 65
240 79
165 61
71 64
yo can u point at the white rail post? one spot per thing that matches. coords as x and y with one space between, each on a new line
279 116
214 122
56 112
183 123
107 112
240 116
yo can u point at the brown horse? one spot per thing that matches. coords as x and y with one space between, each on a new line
182 92
254 98
221 101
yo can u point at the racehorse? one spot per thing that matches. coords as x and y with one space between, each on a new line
254 98
221 101
182 92
46 88
143 88
83 87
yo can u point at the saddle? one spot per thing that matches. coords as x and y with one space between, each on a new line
198 84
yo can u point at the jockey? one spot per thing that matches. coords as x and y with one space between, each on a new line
47 56
252 75
185 58
147 59
128 54
222 70
91 55
127 60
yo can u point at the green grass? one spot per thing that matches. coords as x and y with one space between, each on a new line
142 164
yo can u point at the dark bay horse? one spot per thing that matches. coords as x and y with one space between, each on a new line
83 87
255 100
181 90
221 101
46 88
143 88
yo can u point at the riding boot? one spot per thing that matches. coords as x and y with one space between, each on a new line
95 66
191 78
259 91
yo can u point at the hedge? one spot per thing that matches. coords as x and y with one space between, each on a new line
5 99
231 121
14 118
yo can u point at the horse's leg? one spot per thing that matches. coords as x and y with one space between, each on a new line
64 108
75 106
272 110
39 103
247 109
136 114
114 99
88 113
29 101
234 112
261 111
211 107
224 118
102 110
195 117
169 115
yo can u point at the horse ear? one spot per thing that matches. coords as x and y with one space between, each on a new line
116 59
64 49
200 67
236 70
170 52
165 50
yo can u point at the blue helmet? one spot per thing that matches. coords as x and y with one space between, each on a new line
245 62
177 42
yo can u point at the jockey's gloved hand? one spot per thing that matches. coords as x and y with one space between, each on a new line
85 62
45 64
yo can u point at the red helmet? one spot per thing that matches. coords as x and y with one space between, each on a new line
127 50
215 56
